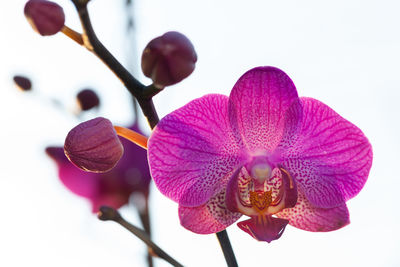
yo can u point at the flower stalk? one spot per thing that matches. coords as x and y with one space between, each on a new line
72 34
136 88
132 136
226 247
144 216
110 214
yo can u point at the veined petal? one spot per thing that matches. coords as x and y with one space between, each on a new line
209 218
192 151
264 228
329 157
257 105
307 217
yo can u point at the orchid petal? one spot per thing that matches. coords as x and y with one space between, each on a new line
79 182
192 151
267 230
113 200
310 218
257 105
209 218
329 157
232 189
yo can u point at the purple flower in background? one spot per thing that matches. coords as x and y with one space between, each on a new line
113 188
263 152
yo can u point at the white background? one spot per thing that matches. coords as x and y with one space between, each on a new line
345 53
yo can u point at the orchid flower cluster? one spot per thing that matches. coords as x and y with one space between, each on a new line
263 152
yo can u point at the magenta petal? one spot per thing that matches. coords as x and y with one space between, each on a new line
232 190
209 218
329 157
112 200
257 105
307 217
192 151
267 230
79 182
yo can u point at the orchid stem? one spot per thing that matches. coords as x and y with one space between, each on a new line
226 246
136 88
74 35
132 136
144 216
110 214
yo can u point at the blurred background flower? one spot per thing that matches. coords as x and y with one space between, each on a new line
344 53
113 188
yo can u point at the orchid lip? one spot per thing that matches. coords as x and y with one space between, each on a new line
260 206
261 202
264 228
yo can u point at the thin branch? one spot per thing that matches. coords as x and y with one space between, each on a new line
110 214
144 216
226 246
75 36
136 88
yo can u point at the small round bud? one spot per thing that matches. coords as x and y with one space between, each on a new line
93 145
45 17
87 99
23 83
168 59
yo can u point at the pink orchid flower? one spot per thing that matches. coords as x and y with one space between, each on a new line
113 188
263 152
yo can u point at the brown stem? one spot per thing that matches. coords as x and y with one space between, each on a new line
226 247
136 88
110 214
145 219
76 36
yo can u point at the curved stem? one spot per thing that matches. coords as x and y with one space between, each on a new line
110 214
226 246
136 88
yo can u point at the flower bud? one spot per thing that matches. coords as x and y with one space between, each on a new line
168 59
87 99
93 146
23 83
45 17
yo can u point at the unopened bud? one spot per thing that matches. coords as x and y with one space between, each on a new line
168 59
45 17
93 145
87 99
23 83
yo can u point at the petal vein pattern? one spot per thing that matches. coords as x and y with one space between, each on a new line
257 105
192 151
209 218
307 217
328 156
